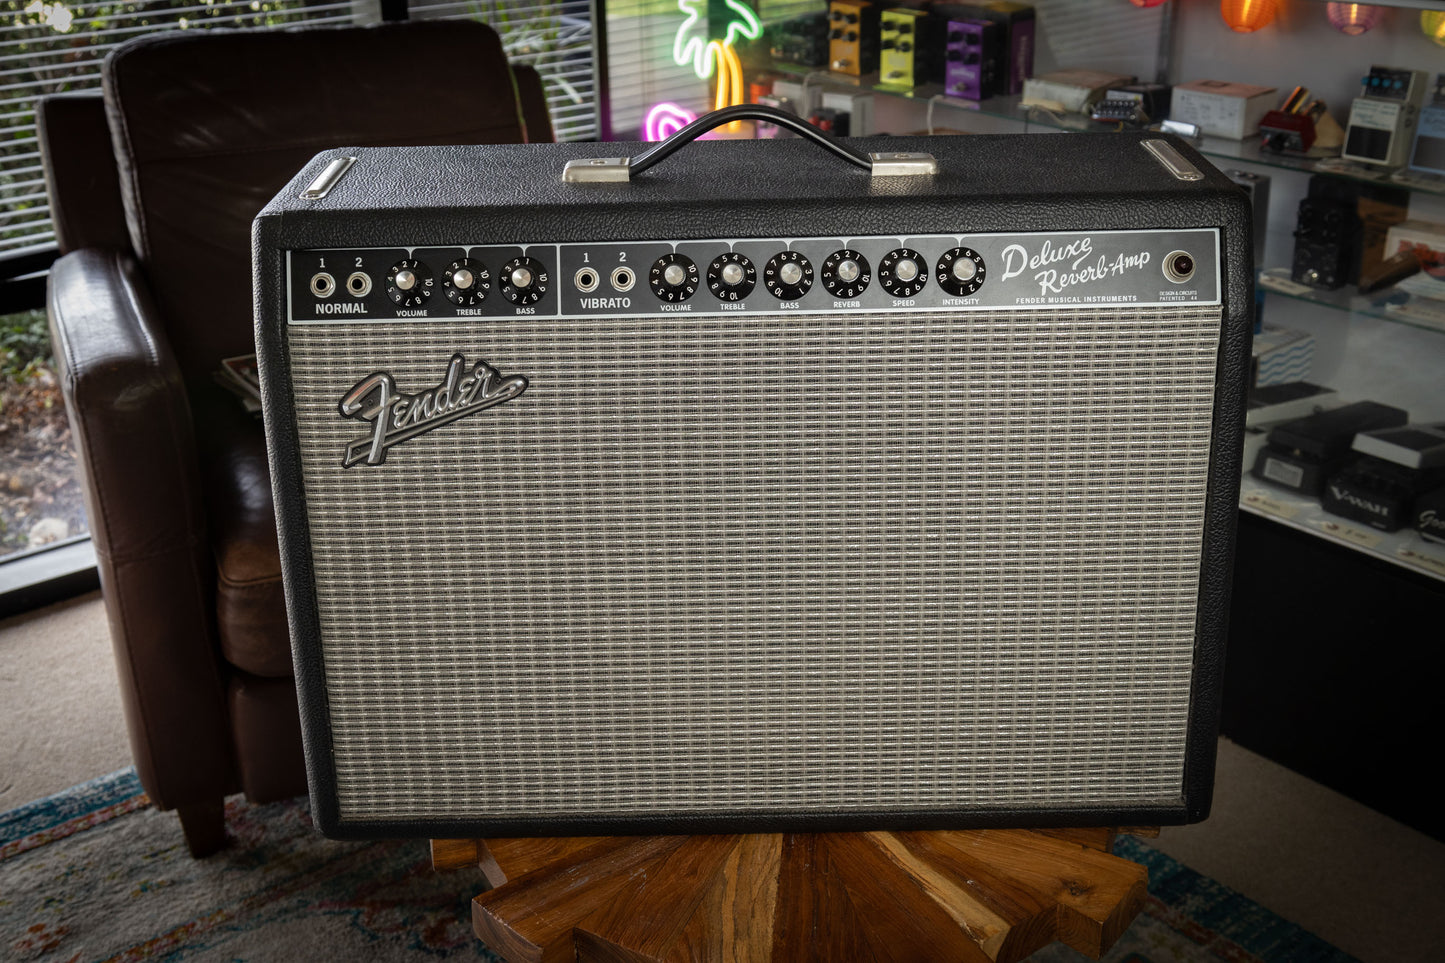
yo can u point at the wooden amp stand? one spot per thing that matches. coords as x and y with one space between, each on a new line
991 896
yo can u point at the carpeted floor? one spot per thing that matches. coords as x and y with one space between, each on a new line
94 873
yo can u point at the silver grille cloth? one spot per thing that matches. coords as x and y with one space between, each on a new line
743 565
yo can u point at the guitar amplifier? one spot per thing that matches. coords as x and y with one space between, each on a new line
758 490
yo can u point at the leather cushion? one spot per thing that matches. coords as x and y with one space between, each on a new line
209 125
250 603
267 730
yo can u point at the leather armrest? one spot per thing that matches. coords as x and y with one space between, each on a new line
132 427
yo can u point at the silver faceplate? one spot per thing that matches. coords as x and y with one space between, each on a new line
765 565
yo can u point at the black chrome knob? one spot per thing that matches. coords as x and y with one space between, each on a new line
903 272
788 276
731 277
523 280
961 271
846 273
673 277
466 282
409 283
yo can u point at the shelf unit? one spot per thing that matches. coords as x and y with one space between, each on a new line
1404 548
1011 107
1390 304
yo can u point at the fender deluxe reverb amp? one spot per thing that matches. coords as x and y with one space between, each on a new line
760 489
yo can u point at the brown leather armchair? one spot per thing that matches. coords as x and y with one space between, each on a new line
152 193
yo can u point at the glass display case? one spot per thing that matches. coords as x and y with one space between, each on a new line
1386 346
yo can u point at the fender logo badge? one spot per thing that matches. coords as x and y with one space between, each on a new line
397 417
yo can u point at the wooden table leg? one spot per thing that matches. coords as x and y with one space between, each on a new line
930 897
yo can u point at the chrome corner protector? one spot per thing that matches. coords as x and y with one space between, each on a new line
327 179
597 169
899 164
1172 161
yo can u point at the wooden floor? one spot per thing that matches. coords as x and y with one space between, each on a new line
991 896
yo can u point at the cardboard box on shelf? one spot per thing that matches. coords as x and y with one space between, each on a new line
1427 240
1281 355
1222 108
1071 90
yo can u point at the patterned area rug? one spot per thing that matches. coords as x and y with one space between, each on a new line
95 873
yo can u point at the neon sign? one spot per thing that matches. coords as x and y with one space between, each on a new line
664 120
706 57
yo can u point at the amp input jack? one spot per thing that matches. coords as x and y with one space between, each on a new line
586 280
623 279
359 284
323 285
1179 266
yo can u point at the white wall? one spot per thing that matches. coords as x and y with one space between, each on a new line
1299 47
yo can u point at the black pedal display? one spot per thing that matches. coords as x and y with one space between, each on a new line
1429 514
1327 241
1413 446
801 40
1379 493
1301 454
1271 404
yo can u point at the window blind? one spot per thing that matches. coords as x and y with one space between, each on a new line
52 46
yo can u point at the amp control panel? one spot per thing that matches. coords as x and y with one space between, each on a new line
903 274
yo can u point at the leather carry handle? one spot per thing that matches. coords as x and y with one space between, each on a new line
615 169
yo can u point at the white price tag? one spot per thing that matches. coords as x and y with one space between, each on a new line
1349 533
1421 558
1260 501
1278 282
